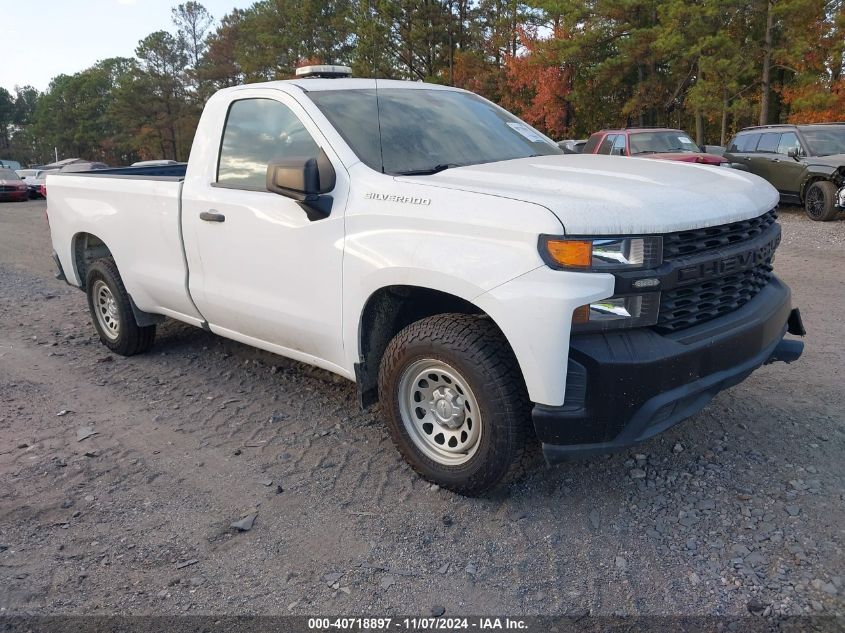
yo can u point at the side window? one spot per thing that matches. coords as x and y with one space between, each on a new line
788 141
257 132
607 144
590 147
619 145
769 142
734 145
747 142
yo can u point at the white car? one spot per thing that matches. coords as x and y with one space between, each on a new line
154 163
34 179
446 256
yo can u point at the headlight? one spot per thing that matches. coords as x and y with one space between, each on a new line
601 254
618 312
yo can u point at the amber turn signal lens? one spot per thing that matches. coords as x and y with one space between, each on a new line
571 253
581 315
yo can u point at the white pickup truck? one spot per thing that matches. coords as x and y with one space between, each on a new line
447 257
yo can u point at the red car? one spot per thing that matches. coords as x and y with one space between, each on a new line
11 186
662 143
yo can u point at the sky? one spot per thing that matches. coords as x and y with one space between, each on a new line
44 38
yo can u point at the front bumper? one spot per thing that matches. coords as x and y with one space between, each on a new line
624 387
20 194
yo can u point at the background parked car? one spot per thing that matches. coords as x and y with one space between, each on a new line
661 143
11 186
83 166
33 178
806 163
154 163
9 164
572 146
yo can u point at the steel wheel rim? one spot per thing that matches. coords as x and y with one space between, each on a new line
105 309
815 202
440 412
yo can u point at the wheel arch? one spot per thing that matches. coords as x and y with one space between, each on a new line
86 248
388 310
836 175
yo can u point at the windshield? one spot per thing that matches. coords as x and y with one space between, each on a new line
8 174
425 131
661 142
825 141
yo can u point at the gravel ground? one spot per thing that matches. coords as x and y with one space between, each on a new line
738 510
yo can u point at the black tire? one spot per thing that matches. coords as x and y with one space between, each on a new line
127 338
820 201
475 348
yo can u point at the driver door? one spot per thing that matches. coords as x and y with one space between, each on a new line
260 271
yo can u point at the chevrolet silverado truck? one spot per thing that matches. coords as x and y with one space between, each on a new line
492 294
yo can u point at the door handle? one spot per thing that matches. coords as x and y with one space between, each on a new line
212 216
776 160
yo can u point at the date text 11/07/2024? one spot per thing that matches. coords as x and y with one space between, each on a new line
414 624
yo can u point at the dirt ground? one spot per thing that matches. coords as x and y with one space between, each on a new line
740 509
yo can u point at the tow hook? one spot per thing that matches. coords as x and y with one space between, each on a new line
794 325
789 350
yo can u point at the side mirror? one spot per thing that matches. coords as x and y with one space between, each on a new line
793 152
306 180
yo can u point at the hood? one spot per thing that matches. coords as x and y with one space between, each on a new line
689 157
12 181
834 160
605 195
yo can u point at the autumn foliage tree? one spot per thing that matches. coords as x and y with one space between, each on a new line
568 67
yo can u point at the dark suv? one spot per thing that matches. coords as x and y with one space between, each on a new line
806 163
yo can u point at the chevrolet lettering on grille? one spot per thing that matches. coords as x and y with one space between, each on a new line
728 265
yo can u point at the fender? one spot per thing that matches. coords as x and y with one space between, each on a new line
818 171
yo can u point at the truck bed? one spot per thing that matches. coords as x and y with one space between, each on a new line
136 213
154 172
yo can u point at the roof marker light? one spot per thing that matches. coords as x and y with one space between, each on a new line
324 71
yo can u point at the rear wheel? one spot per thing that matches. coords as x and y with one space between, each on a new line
820 201
111 311
456 404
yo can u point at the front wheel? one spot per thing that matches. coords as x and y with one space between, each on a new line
820 201
111 311
456 403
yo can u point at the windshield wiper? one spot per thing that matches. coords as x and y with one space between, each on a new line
429 171
646 151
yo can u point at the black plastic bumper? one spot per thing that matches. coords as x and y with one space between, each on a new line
624 387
